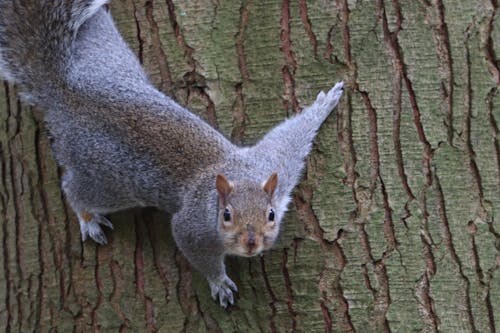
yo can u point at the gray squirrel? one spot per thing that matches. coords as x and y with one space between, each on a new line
123 144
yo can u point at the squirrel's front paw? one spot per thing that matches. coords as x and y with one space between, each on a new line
90 226
223 289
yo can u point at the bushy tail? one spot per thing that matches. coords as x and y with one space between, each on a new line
36 39
286 146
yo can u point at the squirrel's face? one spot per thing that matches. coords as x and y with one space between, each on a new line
248 221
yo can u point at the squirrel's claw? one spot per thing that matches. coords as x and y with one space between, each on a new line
223 290
92 228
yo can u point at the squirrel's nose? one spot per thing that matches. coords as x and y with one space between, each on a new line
251 242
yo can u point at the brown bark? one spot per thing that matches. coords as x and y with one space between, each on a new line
392 228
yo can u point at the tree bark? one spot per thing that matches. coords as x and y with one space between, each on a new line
392 227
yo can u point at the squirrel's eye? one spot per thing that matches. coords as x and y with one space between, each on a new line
271 215
227 215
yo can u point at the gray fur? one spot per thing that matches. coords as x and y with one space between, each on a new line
124 144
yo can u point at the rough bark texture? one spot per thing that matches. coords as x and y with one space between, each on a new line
392 228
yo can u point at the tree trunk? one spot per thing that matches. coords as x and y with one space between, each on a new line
392 227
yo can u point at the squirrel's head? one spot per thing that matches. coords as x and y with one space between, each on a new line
247 220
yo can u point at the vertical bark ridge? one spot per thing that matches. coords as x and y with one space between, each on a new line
195 82
494 130
166 83
140 277
426 303
396 133
448 242
239 114
290 64
272 295
140 40
477 187
6 199
99 289
488 47
240 40
157 255
304 16
443 51
116 293
289 290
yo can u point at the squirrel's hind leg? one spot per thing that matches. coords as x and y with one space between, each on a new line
88 211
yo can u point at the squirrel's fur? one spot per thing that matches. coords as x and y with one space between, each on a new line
123 144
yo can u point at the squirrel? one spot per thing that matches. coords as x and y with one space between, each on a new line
123 144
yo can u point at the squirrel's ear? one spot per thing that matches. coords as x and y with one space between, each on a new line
224 186
271 184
